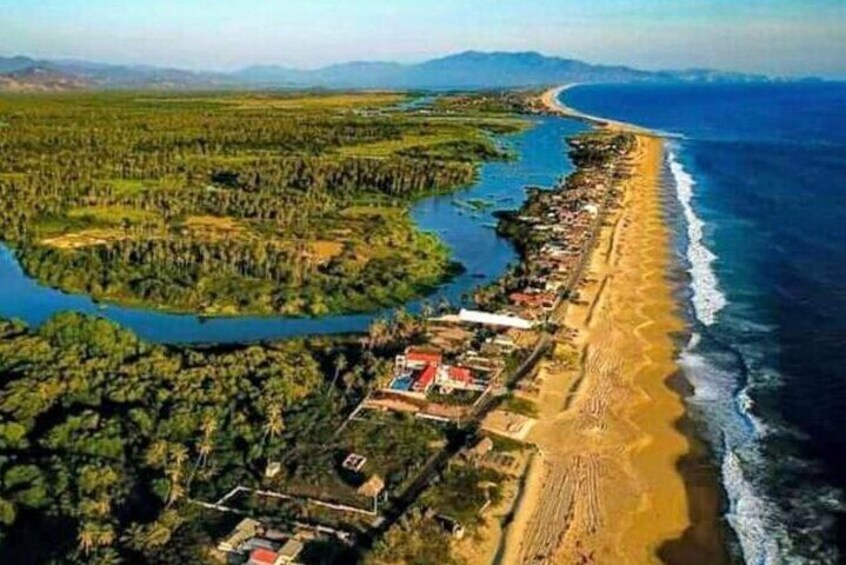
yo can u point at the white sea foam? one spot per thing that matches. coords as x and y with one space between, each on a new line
708 300
747 407
748 516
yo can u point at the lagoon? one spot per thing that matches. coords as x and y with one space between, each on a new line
541 159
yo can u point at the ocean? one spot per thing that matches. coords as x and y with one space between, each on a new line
758 178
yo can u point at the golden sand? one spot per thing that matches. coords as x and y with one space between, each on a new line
607 488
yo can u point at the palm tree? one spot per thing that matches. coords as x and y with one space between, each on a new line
176 492
274 424
156 454
179 454
340 365
87 537
427 311
135 536
208 428
158 533
108 557
105 535
377 332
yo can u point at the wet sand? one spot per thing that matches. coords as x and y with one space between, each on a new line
621 478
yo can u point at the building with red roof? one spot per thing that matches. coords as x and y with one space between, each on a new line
534 300
420 357
263 556
458 378
460 375
425 379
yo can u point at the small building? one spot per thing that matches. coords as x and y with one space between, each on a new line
417 357
452 378
504 340
263 556
244 531
461 375
275 555
273 468
425 379
451 526
373 487
482 448
416 369
354 462
488 319
289 552
534 300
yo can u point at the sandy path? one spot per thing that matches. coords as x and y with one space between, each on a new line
609 490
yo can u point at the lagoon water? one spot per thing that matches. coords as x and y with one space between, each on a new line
758 185
541 160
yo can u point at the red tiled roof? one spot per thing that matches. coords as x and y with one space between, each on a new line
461 374
419 356
427 376
262 556
540 299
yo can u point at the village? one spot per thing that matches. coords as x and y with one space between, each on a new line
444 434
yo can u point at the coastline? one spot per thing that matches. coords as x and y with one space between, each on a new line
621 477
551 100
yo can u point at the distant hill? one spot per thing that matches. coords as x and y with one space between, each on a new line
471 70
40 78
462 71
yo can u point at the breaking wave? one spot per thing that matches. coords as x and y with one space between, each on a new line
727 377
728 407
708 300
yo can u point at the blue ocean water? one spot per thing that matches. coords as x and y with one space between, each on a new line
759 180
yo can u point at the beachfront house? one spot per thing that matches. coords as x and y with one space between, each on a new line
418 370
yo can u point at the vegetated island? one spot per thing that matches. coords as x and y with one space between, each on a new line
293 204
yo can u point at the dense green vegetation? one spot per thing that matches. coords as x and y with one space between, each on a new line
104 437
463 492
422 535
488 102
232 203
418 538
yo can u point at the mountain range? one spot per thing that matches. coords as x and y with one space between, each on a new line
469 70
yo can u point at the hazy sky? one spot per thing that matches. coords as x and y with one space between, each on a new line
772 36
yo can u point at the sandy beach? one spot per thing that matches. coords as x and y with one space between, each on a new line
618 480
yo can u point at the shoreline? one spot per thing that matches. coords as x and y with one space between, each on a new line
550 99
631 483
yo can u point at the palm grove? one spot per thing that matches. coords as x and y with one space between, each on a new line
231 203
224 204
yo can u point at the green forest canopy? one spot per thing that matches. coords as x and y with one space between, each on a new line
103 436
232 203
